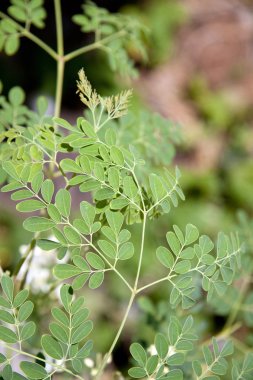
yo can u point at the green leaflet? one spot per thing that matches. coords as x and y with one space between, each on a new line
38 224
63 202
30 206
52 347
33 370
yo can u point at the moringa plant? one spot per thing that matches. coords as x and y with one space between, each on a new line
45 159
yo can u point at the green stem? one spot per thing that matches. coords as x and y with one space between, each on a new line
31 36
141 252
93 46
152 284
133 295
60 60
59 28
59 87
122 325
237 305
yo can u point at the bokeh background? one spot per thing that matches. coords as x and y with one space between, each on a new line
198 75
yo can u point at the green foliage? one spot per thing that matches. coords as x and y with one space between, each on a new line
29 12
105 25
101 155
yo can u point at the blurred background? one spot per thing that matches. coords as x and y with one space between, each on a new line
198 75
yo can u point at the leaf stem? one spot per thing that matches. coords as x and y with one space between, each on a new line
60 59
93 46
133 295
235 308
141 252
152 284
59 86
122 325
59 28
25 32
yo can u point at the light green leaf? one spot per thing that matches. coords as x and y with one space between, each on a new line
191 234
126 251
165 257
47 245
81 332
64 271
38 224
96 280
47 190
88 212
63 202
12 44
54 213
115 220
227 349
21 194
114 178
30 206
60 316
33 370
72 235
196 365
174 374
81 263
59 332
7 335
80 317
71 166
110 137
28 330
80 281
52 347
107 248
173 242
182 266
25 311
119 203
152 364
95 261
8 287
176 359
64 124
20 298
161 345
13 186
117 155
129 187
5 316
37 182
157 187
138 353
137 372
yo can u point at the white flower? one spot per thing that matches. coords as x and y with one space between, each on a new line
37 270
152 350
89 362
171 351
